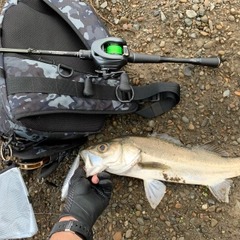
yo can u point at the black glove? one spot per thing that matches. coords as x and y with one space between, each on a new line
86 201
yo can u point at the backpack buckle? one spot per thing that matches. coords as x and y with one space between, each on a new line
33 165
155 98
5 152
124 96
124 91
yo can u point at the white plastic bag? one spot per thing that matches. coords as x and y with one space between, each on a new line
17 218
66 183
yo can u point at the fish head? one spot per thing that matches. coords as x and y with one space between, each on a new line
117 156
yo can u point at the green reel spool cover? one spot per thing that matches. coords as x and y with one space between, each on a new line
114 49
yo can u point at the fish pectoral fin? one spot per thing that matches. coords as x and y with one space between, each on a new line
221 190
155 191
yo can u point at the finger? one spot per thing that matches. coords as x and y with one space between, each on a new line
106 185
103 175
79 173
95 179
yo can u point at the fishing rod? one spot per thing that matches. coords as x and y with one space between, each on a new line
112 53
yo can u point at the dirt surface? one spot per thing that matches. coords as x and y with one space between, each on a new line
208 111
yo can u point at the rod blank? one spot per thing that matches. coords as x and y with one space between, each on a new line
133 57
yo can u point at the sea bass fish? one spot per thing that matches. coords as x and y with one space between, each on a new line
153 159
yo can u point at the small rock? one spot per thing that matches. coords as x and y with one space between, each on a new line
214 222
148 129
123 20
234 143
218 210
201 12
187 72
180 74
188 21
140 19
226 93
128 233
212 208
203 33
146 231
205 206
134 130
178 205
191 126
136 26
125 26
163 17
162 217
138 213
211 201
221 52
195 7
218 27
140 221
156 13
231 18
179 32
208 44
193 35
114 11
117 236
234 12
204 19
104 4
185 119
191 13
200 43
168 223
138 207
210 23
162 44
151 123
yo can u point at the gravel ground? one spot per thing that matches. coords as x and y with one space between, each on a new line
208 111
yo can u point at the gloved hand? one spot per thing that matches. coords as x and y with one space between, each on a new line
86 201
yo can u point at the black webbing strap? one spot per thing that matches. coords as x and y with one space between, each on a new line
163 95
58 86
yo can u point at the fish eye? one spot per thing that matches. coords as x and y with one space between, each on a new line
103 147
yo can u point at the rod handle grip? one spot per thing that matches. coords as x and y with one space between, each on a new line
210 62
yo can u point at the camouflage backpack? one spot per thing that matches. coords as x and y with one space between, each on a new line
44 113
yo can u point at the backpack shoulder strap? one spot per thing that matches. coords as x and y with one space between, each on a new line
163 95
81 18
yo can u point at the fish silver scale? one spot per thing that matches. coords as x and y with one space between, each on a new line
151 158
196 166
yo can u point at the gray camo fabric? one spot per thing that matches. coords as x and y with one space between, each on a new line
85 20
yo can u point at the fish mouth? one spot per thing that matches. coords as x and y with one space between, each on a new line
92 162
89 158
84 155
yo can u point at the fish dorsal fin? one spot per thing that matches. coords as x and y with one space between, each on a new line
211 147
155 191
221 190
166 137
